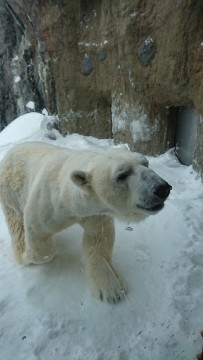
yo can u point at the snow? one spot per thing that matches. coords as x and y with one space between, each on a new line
148 41
47 312
134 14
92 44
30 105
24 128
17 79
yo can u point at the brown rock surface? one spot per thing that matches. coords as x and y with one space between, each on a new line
118 68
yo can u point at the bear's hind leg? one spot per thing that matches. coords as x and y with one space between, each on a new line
39 246
15 225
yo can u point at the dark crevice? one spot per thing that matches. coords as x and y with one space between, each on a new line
186 134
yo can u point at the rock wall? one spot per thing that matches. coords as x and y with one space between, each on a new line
112 68
17 80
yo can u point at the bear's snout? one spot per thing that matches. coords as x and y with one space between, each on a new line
162 191
155 194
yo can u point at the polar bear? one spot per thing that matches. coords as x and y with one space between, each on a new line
45 188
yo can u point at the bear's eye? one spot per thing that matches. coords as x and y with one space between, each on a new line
145 163
122 177
123 174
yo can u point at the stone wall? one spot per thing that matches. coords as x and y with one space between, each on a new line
116 68
17 80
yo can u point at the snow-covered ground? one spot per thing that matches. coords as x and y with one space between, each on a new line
48 313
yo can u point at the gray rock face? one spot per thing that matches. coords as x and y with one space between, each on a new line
86 65
146 51
107 69
7 43
17 74
102 55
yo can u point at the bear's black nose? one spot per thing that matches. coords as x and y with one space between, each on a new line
162 191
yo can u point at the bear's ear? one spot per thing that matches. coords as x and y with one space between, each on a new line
80 179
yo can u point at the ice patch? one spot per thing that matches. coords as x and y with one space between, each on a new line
140 127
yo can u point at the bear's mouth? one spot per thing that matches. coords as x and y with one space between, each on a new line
153 208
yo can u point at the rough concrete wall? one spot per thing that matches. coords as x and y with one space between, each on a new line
117 68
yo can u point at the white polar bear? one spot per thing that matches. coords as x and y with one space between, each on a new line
45 188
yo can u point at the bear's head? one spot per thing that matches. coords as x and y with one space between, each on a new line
123 183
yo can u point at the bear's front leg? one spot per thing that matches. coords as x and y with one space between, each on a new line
98 243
